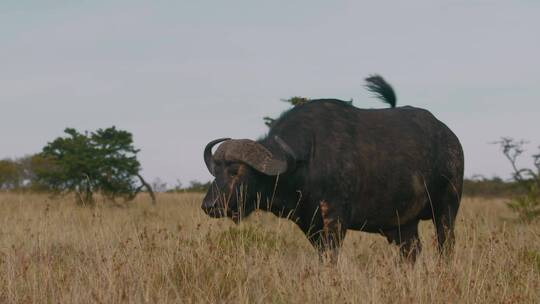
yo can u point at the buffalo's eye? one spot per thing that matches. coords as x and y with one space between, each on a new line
232 171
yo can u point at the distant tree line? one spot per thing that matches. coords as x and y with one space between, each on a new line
194 186
479 186
476 186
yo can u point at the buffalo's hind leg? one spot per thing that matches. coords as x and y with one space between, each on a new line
406 237
445 210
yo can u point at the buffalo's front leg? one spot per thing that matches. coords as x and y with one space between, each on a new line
330 233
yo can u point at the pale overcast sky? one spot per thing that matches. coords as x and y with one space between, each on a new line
180 73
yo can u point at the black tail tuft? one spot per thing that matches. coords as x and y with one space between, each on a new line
382 89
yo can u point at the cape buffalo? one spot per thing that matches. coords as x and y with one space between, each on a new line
330 167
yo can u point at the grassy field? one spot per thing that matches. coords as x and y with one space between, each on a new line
54 252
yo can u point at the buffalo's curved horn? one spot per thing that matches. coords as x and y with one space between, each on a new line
253 154
208 154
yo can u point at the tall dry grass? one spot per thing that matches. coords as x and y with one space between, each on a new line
54 252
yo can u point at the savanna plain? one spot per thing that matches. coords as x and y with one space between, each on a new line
52 251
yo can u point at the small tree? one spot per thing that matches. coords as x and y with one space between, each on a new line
178 186
158 185
294 101
10 175
103 161
527 205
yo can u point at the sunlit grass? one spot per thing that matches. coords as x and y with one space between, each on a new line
52 251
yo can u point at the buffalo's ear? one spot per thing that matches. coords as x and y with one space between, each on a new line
290 155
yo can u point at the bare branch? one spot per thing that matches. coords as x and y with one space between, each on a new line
512 149
148 187
536 162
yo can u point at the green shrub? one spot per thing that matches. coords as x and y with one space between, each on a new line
527 206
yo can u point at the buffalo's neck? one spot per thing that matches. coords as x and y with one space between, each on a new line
281 198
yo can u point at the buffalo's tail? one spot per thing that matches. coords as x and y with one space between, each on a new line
382 89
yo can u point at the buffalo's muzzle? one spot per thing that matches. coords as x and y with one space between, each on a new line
211 208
